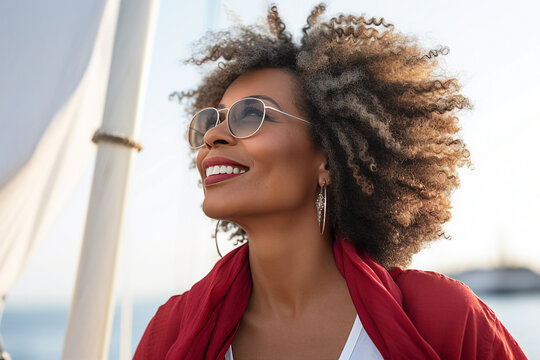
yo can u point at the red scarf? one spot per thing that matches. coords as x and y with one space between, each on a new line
201 323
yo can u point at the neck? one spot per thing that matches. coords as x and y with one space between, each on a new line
292 265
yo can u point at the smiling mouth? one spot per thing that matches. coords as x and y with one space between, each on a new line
217 173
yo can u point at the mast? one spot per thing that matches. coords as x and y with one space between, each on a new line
90 320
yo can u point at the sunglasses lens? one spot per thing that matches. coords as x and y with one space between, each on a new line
200 124
245 117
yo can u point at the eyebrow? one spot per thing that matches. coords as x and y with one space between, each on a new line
262 97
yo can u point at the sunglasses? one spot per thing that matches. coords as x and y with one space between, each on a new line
244 118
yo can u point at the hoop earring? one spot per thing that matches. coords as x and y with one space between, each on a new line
215 237
321 207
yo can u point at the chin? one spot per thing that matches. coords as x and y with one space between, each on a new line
217 209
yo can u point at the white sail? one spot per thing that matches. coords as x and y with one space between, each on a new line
54 70
53 77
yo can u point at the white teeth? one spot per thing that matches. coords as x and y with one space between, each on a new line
223 169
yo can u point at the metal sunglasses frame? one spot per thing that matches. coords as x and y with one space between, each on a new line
227 119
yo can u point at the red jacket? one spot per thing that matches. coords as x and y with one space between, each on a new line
408 314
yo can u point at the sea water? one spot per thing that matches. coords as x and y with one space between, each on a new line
37 333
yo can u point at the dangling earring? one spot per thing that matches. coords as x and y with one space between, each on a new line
215 237
321 207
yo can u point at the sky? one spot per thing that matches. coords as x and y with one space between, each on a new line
494 51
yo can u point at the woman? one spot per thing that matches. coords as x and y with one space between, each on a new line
336 158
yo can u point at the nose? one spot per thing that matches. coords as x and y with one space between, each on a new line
219 134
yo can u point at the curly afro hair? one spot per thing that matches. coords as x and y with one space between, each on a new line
382 110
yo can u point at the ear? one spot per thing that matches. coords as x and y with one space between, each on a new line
323 172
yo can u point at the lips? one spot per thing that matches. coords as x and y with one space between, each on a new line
220 161
212 179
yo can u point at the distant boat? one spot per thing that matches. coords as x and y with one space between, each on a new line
500 280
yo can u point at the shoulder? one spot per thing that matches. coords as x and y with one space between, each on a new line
431 295
455 321
162 331
428 286
182 315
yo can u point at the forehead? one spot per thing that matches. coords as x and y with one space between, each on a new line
278 84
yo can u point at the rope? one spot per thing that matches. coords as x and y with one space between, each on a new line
115 137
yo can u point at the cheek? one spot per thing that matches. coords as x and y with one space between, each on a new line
285 169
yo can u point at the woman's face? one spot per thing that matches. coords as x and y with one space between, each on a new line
282 165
